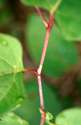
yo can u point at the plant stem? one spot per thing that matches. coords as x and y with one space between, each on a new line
32 70
42 16
48 29
41 100
38 71
40 92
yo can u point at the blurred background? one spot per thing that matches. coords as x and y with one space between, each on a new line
61 76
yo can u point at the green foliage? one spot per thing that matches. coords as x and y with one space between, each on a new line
31 104
12 90
69 117
12 119
48 118
61 54
10 53
68 17
45 4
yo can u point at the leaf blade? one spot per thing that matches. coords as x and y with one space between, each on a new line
45 4
13 119
68 17
69 117
11 85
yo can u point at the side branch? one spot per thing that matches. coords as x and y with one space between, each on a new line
42 16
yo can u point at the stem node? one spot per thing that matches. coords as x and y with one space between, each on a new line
39 69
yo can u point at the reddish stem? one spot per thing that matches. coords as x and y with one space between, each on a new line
41 100
40 92
38 72
48 29
42 16
32 70
45 47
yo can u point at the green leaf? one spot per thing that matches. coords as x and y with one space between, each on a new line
60 54
69 117
68 17
49 116
45 4
12 119
30 108
12 90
